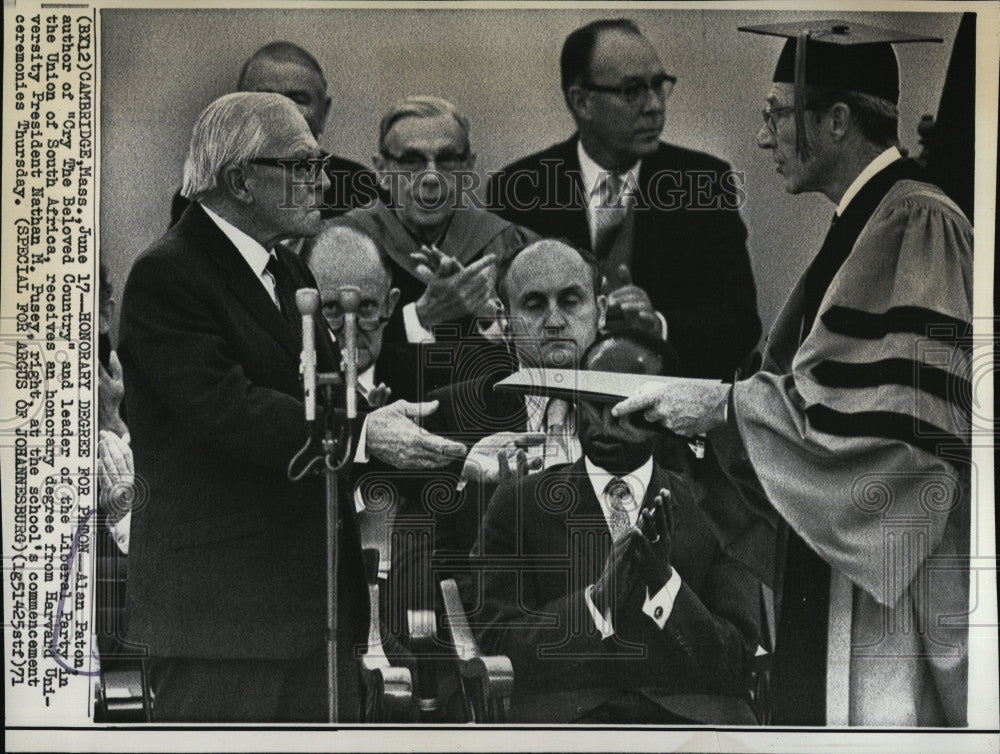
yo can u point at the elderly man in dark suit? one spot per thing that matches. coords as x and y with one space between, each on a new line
604 584
654 213
285 68
227 583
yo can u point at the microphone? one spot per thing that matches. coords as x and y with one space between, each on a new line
350 300
307 302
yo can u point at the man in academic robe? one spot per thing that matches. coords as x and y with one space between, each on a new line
440 250
287 69
853 439
603 583
663 221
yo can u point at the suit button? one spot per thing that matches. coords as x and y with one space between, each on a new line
658 613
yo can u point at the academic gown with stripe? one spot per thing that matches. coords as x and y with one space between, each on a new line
855 433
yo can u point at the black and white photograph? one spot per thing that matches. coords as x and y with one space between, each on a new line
604 376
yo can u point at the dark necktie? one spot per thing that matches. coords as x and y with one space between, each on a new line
609 214
284 292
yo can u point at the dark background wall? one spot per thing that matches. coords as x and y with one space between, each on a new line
160 68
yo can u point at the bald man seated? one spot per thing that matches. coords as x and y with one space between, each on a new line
342 256
287 69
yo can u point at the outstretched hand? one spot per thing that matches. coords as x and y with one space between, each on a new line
686 407
393 436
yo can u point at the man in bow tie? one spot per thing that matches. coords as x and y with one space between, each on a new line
604 585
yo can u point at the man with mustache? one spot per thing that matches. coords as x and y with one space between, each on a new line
655 213
603 583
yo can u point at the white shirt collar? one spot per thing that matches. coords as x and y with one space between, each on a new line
881 162
592 174
255 255
637 481
366 380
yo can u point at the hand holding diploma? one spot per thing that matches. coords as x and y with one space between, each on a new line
686 407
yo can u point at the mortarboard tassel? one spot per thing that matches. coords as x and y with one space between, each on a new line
801 138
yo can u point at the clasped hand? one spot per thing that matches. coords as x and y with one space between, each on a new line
629 306
453 291
639 557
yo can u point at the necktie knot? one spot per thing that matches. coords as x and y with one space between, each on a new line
619 498
612 189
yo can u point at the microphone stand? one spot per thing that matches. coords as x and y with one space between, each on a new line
328 451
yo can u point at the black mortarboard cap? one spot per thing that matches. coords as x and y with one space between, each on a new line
839 55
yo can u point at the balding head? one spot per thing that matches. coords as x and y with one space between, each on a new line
344 256
285 68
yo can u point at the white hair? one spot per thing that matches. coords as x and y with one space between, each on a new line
230 132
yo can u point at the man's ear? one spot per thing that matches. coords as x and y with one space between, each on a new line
578 101
391 300
106 314
500 315
840 119
326 112
236 182
602 311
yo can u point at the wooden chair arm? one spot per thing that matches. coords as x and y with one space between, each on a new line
488 679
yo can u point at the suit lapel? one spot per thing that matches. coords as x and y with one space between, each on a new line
572 194
240 280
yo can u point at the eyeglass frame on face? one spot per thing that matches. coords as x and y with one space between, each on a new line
316 164
367 324
444 162
771 116
642 87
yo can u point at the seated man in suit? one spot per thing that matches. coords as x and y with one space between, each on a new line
652 212
441 251
604 585
551 313
342 256
287 69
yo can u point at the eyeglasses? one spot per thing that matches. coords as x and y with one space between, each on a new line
370 316
302 168
414 161
635 91
772 114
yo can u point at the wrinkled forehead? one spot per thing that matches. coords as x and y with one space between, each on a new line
621 55
547 267
426 133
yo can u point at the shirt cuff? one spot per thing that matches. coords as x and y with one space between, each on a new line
415 332
602 622
361 453
663 324
659 606
120 532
